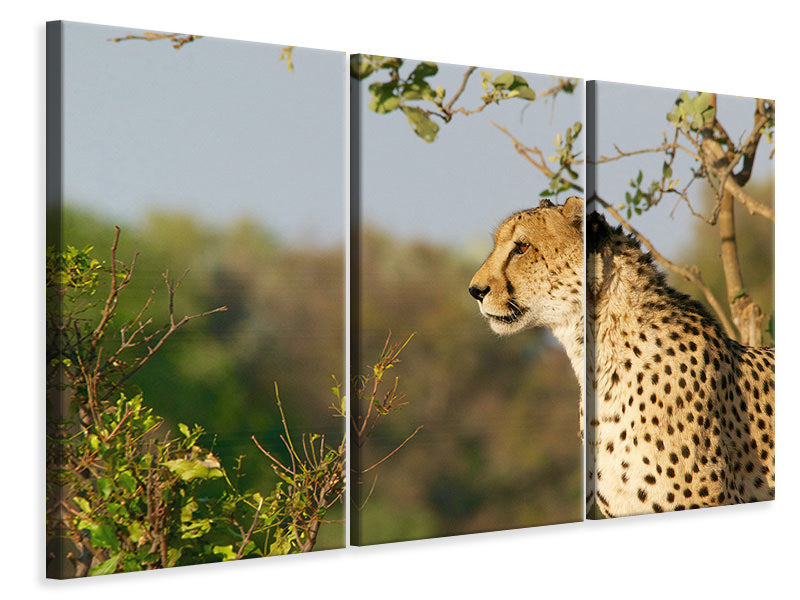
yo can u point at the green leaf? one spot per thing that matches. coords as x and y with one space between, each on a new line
282 545
192 469
360 67
196 529
184 429
226 552
248 548
187 510
135 532
525 93
173 554
388 105
391 63
421 123
384 99
106 567
666 171
127 481
424 69
105 536
105 486
418 91
83 504
504 80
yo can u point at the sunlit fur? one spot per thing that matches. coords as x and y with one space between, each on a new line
680 415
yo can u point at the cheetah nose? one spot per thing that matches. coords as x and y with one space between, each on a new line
478 292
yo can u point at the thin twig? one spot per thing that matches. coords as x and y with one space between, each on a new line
369 495
448 109
393 451
269 456
665 147
288 440
523 150
177 39
246 538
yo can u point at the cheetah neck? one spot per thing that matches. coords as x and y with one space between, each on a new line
627 293
571 335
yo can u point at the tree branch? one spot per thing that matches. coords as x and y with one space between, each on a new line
403 443
524 151
665 147
177 39
246 538
448 109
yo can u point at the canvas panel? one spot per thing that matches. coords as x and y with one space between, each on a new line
472 432
222 164
680 387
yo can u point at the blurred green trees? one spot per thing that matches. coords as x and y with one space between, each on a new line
284 323
125 492
499 447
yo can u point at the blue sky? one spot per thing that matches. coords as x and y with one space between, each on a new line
634 117
459 187
222 129
219 128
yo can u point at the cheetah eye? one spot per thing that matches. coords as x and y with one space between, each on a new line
520 248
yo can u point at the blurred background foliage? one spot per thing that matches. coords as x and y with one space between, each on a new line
755 240
284 323
499 445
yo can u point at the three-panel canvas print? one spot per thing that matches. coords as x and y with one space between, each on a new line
301 299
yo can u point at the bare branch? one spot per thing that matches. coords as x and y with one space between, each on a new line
449 108
151 350
113 294
721 164
525 152
369 495
745 313
178 39
269 456
246 538
665 147
393 451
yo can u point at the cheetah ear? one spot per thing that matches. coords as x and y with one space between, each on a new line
573 212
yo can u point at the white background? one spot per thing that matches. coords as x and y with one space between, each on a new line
741 551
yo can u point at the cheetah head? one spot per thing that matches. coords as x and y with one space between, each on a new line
534 275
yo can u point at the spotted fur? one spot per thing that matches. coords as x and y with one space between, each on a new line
681 416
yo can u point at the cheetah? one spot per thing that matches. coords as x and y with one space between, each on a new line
681 416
